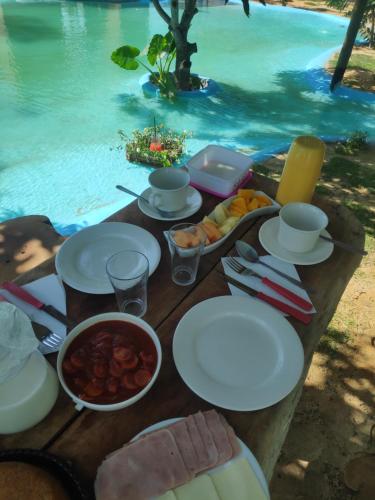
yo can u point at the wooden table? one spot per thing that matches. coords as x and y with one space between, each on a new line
86 437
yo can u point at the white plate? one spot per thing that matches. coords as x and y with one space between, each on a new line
245 453
268 238
82 258
275 207
237 353
194 203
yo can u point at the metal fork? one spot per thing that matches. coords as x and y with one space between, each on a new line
50 343
239 268
285 292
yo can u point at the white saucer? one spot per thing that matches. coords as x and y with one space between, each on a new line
268 238
194 203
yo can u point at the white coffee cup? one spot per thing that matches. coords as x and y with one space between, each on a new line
300 226
169 188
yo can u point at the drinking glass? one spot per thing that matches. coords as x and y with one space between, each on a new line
128 273
186 243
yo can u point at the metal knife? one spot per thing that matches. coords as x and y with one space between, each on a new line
30 299
301 316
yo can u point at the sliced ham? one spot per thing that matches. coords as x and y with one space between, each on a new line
207 439
220 436
145 468
236 448
203 459
184 444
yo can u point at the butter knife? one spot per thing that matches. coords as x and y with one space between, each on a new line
22 294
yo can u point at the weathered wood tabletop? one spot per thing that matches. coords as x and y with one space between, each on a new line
86 437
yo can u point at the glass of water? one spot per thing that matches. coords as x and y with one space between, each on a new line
128 272
186 243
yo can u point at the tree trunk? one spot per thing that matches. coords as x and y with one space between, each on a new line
346 50
184 49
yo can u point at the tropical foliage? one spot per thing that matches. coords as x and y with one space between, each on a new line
160 54
367 26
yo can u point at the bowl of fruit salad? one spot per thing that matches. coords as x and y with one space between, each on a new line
109 361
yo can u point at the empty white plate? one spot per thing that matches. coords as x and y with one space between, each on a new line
269 241
193 204
237 353
81 260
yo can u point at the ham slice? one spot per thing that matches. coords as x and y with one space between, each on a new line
184 444
236 448
200 450
145 468
220 436
207 439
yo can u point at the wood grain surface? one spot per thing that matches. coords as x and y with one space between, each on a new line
87 437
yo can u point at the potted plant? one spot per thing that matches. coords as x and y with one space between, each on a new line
160 55
156 146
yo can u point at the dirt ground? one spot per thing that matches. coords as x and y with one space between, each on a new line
334 420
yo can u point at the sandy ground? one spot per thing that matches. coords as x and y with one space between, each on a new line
333 421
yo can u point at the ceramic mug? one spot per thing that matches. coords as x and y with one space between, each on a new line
169 188
300 226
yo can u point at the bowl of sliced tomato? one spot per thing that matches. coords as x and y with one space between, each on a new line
109 361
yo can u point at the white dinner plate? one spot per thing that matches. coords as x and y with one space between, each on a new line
81 260
245 453
193 204
237 353
268 239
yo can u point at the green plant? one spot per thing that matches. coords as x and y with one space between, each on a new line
356 142
160 54
138 145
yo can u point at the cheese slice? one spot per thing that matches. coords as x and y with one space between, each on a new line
238 481
169 495
200 488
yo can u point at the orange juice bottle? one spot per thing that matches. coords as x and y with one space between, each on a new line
301 170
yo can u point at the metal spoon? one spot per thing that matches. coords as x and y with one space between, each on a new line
164 213
344 246
251 255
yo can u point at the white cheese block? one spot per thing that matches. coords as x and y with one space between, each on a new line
200 488
238 481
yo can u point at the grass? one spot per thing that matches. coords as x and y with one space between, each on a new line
331 341
357 61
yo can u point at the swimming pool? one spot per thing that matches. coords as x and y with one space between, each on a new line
62 100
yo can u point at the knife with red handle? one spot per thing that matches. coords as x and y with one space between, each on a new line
22 294
288 294
285 308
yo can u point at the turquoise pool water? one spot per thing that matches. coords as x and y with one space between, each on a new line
62 100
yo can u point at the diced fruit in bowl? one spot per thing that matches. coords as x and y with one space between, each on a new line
227 215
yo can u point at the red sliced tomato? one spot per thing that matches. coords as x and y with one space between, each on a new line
121 353
131 363
78 358
115 368
102 336
112 385
100 370
93 390
148 360
68 367
128 381
142 377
